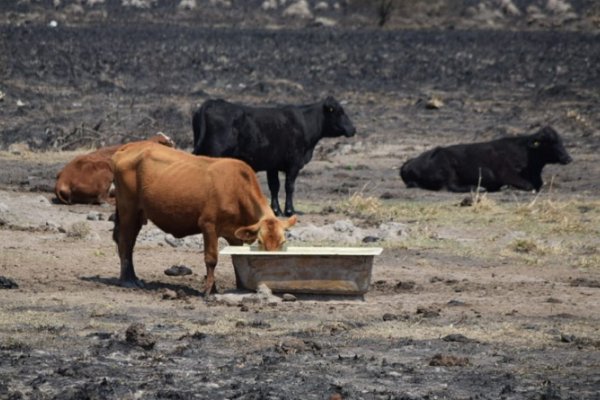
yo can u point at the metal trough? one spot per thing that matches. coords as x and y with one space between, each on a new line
315 270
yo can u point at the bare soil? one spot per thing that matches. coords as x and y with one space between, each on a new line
497 300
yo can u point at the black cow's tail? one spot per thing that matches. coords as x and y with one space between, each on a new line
199 126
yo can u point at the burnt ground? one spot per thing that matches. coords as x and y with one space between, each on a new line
506 327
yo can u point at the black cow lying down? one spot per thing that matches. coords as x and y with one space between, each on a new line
269 139
513 161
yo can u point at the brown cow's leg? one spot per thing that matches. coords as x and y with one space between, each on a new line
210 258
128 229
238 281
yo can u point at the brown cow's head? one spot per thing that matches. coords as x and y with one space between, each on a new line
270 232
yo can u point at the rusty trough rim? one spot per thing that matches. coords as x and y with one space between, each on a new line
303 251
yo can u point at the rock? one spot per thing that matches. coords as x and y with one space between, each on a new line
322 21
264 290
178 270
558 6
173 241
456 303
585 282
310 233
7 283
169 294
440 360
2 95
343 226
467 201
19 148
395 317
508 7
553 300
139 3
371 239
567 338
391 231
434 103
187 5
94 216
404 285
289 297
53 226
299 9
221 3
321 6
428 312
269 5
137 335
457 337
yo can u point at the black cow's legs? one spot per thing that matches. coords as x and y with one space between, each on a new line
273 181
290 182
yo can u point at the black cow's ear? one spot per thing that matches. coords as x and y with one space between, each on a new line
329 105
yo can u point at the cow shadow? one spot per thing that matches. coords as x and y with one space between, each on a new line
148 285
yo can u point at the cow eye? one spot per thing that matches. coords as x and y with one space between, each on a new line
536 144
330 109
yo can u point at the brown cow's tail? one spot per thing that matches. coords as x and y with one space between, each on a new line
63 193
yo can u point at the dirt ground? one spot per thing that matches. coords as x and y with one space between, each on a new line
499 300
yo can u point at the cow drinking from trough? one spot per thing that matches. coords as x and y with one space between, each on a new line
87 178
513 161
184 195
269 139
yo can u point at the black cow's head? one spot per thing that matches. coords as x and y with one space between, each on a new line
336 122
548 144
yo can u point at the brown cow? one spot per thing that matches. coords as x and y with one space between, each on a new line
184 195
87 178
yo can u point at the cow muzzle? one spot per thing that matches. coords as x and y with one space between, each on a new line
566 159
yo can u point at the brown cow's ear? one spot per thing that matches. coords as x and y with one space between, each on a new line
291 221
247 234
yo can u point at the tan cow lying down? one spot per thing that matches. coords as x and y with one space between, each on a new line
87 178
184 195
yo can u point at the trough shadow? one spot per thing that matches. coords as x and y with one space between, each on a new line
148 285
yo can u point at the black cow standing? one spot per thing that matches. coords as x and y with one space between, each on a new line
514 161
269 139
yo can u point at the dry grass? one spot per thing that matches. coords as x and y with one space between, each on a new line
79 230
543 231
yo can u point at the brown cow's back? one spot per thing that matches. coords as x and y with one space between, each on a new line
175 189
88 178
